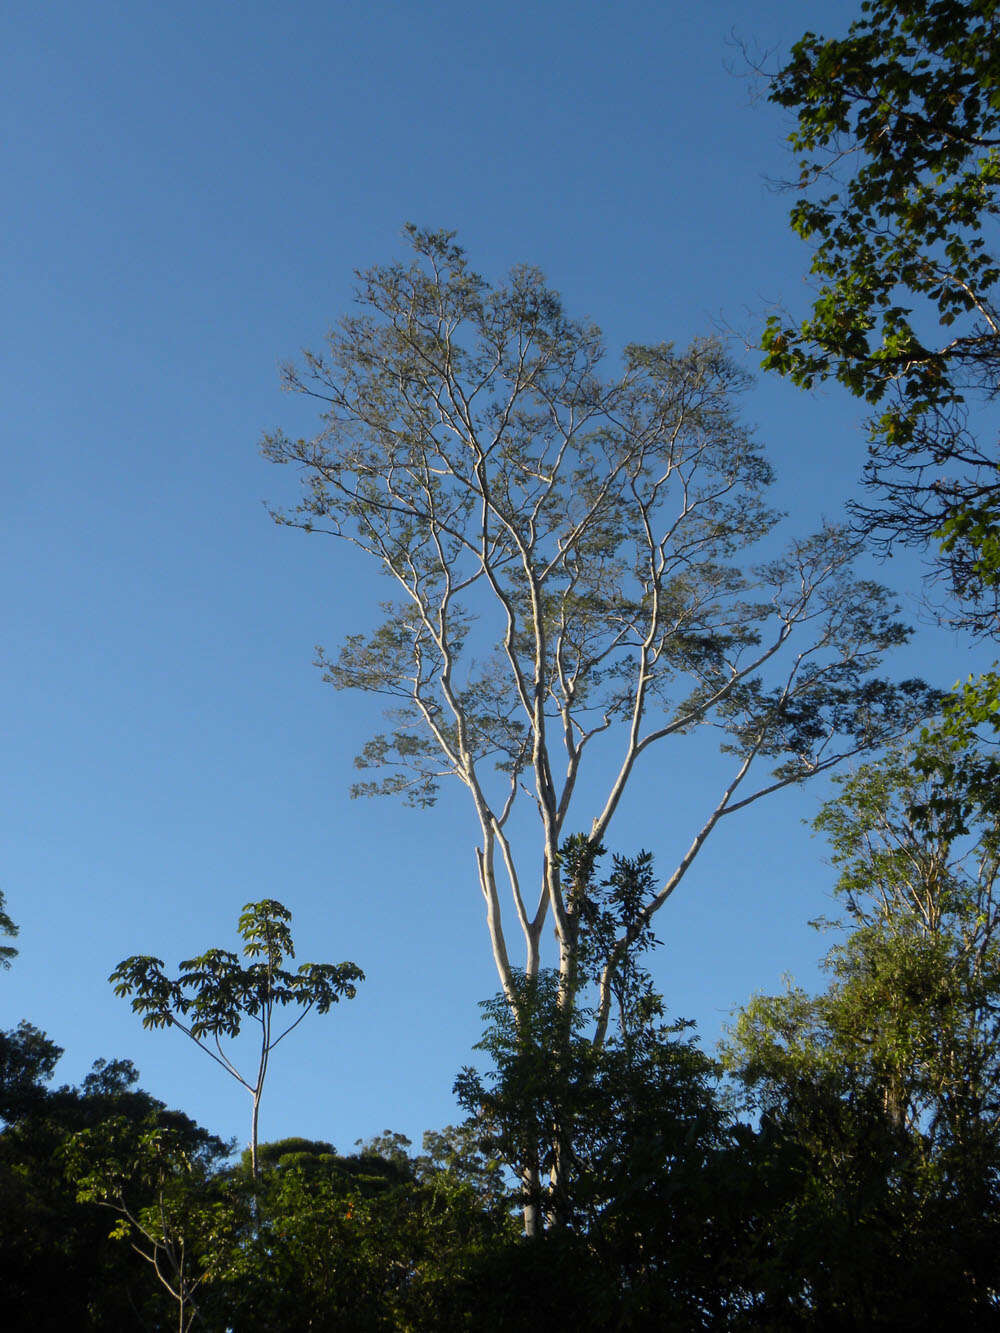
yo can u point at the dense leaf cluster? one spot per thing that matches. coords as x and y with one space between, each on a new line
897 142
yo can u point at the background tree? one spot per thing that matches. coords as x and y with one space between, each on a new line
58 1267
917 840
879 1100
27 1061
215 993
362 1241
565 544
173 1212
457 1151
898 143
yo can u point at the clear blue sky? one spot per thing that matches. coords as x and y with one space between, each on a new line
187 189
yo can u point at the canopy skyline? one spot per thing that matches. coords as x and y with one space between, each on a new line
189 195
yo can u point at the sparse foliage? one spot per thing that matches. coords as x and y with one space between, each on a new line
569 550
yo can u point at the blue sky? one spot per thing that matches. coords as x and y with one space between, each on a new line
187 191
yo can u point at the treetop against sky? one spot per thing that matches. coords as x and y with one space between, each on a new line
188 197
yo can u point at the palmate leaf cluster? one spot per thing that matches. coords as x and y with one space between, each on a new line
215 993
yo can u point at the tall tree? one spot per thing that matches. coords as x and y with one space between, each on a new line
897 140
566 546
215 994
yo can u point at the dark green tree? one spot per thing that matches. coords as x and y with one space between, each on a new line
623 1151
373 1240
619 1148
174 1210
216 993
879 1099
59 1269
897 140
27 1061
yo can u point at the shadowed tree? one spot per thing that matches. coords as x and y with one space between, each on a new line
59 1268
172 1210
897 140
879 1099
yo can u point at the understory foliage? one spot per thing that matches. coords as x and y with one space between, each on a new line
60 1267
844 1173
